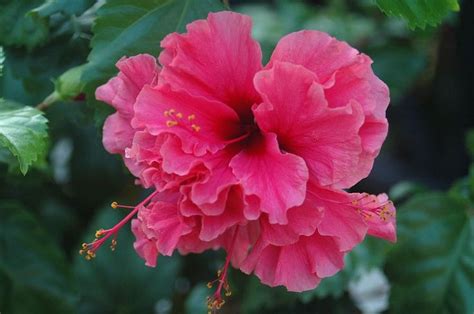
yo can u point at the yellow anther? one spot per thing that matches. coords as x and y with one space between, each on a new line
171 112
114 205
219 272
191 117
166 113
228 293
171 123
195 127
84 246
209 285
81 252
99 233
87 257
179 115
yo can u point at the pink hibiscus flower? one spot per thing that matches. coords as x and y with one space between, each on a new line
248 158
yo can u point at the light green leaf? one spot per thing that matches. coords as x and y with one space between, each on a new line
125 28
23 131
33 271
68 85
19 29
432 267
419 13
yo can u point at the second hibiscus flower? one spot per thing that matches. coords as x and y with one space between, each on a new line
248 158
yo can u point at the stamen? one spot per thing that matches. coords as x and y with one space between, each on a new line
216 302
175 116
370 208
171 123
101 235
116 205
196 127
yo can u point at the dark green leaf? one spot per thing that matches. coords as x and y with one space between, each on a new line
419 13
33 271
470 143
125 28
19 29
2 59
67 7
23 131
28 77
432 267
119 281
196 301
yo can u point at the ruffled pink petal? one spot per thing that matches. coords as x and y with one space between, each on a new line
325 257
346 76
217 58
302 221
117 134
287 266
294 107
298 266
202 125
278 179
144 246
341 220
213 226
122 90
162 223
175 160
358 82
316 51
219 178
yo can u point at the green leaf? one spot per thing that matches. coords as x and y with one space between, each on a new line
419 13
125 28
33 272
23 131
470 143
2 59
28 77
119 281
67 7
432 267
19 29
196 301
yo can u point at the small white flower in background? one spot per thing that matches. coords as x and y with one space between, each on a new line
60 157
370 291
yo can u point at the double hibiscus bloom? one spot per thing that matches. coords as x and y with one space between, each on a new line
248 158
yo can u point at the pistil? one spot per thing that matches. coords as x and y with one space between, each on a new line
102 235
216 302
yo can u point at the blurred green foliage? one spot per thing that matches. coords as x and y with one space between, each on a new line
63 48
